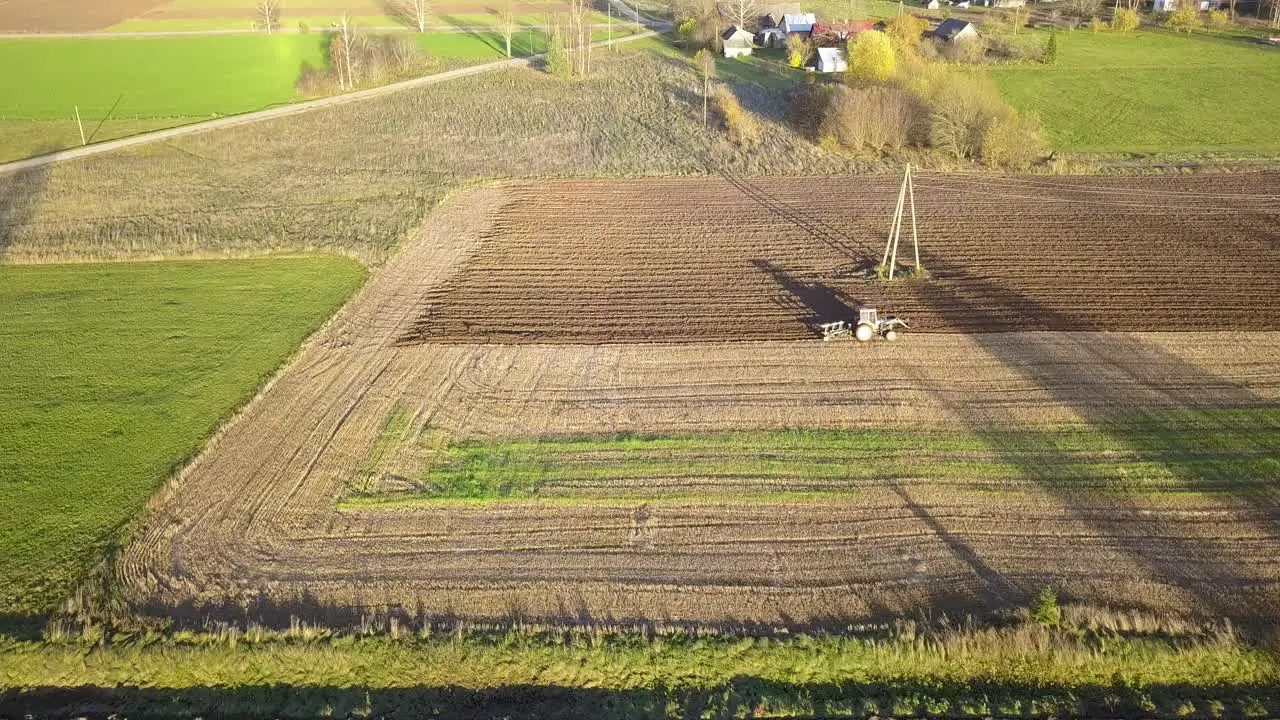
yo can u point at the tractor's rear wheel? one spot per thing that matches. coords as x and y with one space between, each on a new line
864 332
890 335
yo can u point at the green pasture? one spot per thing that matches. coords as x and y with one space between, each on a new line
113 376
197 76
1152 91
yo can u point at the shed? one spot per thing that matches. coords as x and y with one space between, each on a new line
802 22
737 42
831 60
771 37
953 29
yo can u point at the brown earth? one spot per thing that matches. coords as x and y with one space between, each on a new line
355 9
68 15
252 528
733 259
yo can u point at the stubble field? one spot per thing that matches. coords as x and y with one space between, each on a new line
527 415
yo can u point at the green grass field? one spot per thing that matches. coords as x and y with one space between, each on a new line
1152 92
152 77
114 375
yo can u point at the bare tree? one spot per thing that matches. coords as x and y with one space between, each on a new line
344 52
269 15
411 12
580 36
706 61
507 24
742 13
1084 9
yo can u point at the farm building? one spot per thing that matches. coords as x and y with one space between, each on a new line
835 32
771 37
737 42
802 22
953 29
831 60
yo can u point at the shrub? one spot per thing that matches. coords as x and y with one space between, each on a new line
1051 50
1126 20
1012 141
872 117
1011 47
962 108
871 57
742 126
303 27
558 56
1219 19
1184 19
1045 610
906 30
1097 24
967 50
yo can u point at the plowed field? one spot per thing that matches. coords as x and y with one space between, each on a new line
68 15
734 259
1039 446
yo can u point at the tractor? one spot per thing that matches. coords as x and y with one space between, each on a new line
868 326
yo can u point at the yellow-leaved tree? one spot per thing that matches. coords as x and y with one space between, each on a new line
906 30
1184 19
1126 20
871 57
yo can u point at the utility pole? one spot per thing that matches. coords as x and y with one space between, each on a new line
906 197
81 126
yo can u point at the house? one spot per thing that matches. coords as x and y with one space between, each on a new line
737 42
953 29
1164 5
801 22
831 60
834 33
771 37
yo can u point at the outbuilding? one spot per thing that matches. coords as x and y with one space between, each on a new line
831 60
799 23
737 42
953 29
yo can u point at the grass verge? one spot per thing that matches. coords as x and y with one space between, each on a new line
900 669
113 376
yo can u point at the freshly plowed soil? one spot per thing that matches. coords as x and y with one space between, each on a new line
684 260
251 528
68 15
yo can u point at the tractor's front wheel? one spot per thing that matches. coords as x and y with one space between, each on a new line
864 332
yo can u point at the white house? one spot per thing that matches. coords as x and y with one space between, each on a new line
1164 5
802 22
737 42
831 60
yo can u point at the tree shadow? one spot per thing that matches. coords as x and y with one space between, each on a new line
1195 434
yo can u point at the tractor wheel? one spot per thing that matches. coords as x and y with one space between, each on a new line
890 335
864 332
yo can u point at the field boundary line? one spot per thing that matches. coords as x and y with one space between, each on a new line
155 136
